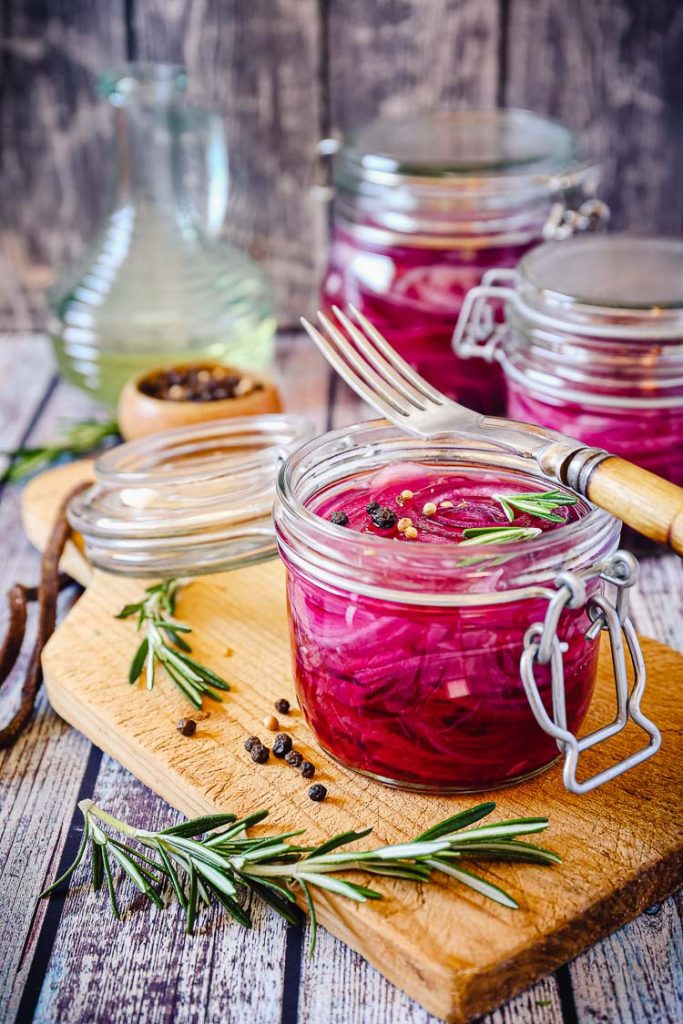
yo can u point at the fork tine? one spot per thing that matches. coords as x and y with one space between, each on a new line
395 359
382 365
383 387
355 382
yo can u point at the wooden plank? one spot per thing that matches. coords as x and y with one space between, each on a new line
257 64
43 769
644 980
53 129
612 72
338 987
145 967
25 360
388 58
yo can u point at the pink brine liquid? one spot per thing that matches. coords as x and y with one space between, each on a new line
414 296
652 438
429 697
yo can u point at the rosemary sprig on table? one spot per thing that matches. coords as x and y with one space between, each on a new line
164 643
541 504
213 858
80 438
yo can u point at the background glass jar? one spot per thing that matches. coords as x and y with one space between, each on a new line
425 204
407 656
593 345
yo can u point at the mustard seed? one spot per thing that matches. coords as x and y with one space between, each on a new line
411 533
429 509
271 723
403 524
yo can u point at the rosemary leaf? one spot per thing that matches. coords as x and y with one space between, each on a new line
164 643
79 438
541 504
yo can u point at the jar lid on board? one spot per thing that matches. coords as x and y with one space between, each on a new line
188 501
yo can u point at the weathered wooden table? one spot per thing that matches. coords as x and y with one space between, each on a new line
67 960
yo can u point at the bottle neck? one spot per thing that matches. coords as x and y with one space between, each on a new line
149 161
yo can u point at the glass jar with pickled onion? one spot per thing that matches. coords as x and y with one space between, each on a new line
425 579
593 345
426 204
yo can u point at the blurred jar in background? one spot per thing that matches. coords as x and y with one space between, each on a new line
157 284
426 204
593 344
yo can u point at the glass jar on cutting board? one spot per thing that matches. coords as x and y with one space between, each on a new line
157 284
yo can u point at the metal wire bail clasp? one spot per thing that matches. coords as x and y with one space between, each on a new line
542 646
574 209
478 332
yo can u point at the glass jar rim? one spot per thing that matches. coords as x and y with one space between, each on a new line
336 557
462 144
190 500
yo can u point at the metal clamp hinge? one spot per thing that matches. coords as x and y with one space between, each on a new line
542 646
563 222
478 332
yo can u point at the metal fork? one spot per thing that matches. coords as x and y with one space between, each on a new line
375 371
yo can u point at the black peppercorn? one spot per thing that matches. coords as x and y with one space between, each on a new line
307 769
383 518
259 753
282 745
252 741
339 519
294 758
187 726
282 706
372 507
317 792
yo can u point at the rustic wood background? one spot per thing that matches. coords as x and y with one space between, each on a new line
285 73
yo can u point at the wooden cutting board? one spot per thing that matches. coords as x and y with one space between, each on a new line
456 953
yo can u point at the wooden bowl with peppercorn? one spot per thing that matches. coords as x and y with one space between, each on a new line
178 396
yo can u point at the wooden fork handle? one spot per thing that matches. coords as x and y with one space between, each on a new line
652 506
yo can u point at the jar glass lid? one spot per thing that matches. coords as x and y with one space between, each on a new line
459 144
616 271
188 501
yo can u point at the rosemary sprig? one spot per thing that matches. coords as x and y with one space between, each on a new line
164 643
497 534
80 438
213 858
535 503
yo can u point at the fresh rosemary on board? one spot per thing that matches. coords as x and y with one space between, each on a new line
213 858
164 643
80 438
541 504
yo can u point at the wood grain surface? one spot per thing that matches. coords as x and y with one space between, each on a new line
285 73
50 971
